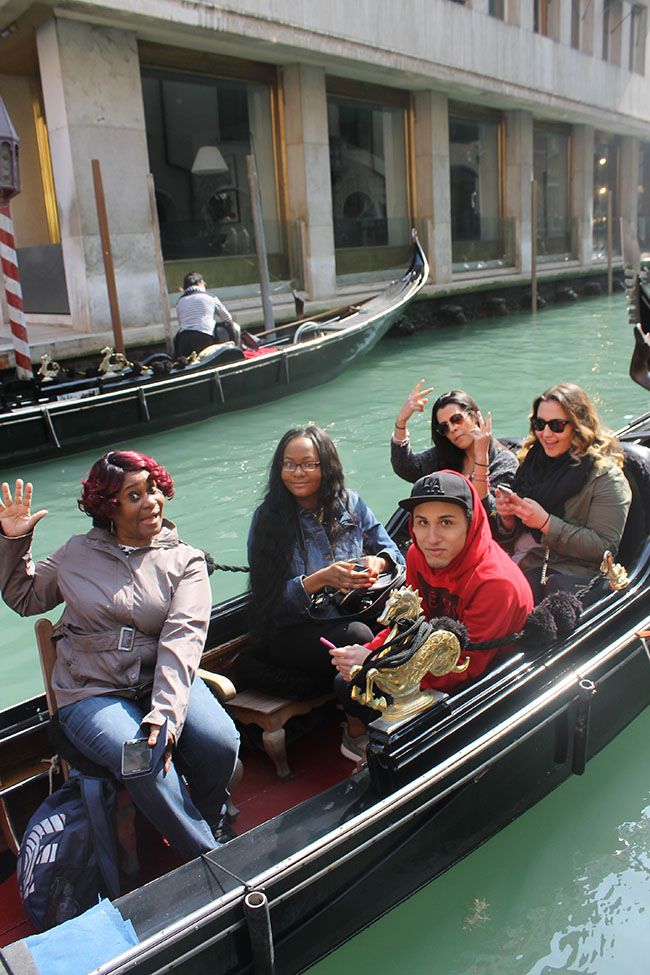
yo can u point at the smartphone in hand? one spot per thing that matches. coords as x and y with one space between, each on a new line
138 758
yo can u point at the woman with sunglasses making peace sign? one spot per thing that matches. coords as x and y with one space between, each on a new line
462 441
570 499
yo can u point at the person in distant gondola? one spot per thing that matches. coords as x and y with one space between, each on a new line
571 497
462 441
196 311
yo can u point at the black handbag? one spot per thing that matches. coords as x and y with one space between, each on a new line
364 605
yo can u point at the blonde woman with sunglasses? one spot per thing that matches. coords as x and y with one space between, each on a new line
462 441
570 498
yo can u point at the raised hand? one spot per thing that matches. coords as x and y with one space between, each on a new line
414 403
15 513
482 434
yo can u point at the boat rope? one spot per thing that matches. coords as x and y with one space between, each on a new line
212 565
213 863
556 616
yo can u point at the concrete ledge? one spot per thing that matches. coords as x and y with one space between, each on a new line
50 335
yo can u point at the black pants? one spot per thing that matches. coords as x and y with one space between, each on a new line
189 340
298 647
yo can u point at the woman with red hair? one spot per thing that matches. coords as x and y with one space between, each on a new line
137 606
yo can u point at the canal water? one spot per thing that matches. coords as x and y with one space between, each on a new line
565 888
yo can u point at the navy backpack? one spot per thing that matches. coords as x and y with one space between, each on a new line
67 858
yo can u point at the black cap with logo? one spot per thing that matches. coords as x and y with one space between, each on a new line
441 486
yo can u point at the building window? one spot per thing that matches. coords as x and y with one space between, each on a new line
546 15
368 166
496 8
576 23
606 170
199 132
477 229
638 30
643 205
551 173
612 31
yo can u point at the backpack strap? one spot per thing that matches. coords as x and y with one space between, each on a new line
94 799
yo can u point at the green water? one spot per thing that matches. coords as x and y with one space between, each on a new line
566 887
219 466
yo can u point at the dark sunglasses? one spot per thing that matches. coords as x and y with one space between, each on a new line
454 420
557 426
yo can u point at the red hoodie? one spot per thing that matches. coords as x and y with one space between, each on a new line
481 587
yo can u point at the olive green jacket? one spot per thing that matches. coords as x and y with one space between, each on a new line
593 522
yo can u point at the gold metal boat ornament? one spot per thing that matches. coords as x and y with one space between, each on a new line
614 572
439 655
113 364
48 370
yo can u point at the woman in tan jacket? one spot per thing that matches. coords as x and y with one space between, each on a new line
137 606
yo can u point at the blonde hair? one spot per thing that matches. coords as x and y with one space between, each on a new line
590 437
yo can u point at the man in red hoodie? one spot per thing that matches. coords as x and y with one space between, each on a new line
460 572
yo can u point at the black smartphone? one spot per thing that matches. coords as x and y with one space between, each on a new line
138 758
359 567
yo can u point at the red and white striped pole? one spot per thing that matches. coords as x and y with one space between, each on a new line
14 295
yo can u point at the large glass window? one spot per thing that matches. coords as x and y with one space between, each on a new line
551 171
477 230
643 211
199 132
606 167
368 168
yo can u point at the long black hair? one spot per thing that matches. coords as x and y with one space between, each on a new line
277 527
451 457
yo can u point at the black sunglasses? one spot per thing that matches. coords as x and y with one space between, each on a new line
557 426
454 420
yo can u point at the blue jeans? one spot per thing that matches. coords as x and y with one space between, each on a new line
205 753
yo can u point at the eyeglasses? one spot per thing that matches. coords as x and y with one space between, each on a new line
455 420
557 426
308 466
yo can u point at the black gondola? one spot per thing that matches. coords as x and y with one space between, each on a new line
435 787
40 421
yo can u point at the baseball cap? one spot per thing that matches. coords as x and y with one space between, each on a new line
441 486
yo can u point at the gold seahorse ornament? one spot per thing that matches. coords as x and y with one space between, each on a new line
614 572
439 655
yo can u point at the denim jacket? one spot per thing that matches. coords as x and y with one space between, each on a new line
364 535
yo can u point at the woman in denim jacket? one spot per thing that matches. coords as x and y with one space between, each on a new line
309 534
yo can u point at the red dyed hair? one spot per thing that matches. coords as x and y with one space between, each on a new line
106 477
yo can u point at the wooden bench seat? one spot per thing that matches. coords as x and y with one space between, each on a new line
271 715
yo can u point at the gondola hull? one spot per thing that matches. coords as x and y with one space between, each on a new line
119 410
432 792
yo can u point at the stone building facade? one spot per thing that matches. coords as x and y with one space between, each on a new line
365 119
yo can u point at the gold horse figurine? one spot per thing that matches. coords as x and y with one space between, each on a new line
614 573
438 655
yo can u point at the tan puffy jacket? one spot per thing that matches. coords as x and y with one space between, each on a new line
132 623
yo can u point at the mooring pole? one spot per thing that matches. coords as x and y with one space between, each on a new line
533 246
610 245
107 254
160 267
260 243
14 295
